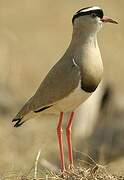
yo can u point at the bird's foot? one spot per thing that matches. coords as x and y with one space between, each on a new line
63 174
71 167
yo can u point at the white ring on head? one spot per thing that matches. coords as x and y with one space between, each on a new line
90 9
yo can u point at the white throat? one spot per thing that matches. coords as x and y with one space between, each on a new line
83 35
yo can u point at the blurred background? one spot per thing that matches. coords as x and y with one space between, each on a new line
34 34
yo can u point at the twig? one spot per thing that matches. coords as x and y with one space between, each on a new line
36 164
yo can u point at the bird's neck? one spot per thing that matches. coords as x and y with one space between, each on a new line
83 36
85 51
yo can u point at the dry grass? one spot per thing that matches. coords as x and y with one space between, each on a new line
79 173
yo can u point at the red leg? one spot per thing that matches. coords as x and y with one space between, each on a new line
59 133
68 135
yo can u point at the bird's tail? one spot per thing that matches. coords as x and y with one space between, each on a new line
18 121
20 118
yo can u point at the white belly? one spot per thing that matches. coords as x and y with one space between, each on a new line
69 103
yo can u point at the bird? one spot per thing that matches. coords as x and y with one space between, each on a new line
72 79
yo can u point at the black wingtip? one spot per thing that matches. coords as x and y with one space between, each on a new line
18 122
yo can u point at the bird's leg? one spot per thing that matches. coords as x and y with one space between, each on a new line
59 134
68 135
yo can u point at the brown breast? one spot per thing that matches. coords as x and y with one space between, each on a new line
91 69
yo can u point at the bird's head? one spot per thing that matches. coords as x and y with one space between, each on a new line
91 17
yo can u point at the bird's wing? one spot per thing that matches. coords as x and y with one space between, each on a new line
62 79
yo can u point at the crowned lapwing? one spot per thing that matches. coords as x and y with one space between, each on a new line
73 78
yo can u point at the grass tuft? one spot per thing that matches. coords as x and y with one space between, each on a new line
97 172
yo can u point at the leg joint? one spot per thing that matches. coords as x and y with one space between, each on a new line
59 130
68 129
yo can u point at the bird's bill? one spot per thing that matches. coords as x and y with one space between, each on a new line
106 19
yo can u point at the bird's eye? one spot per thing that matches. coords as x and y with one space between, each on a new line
93 15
